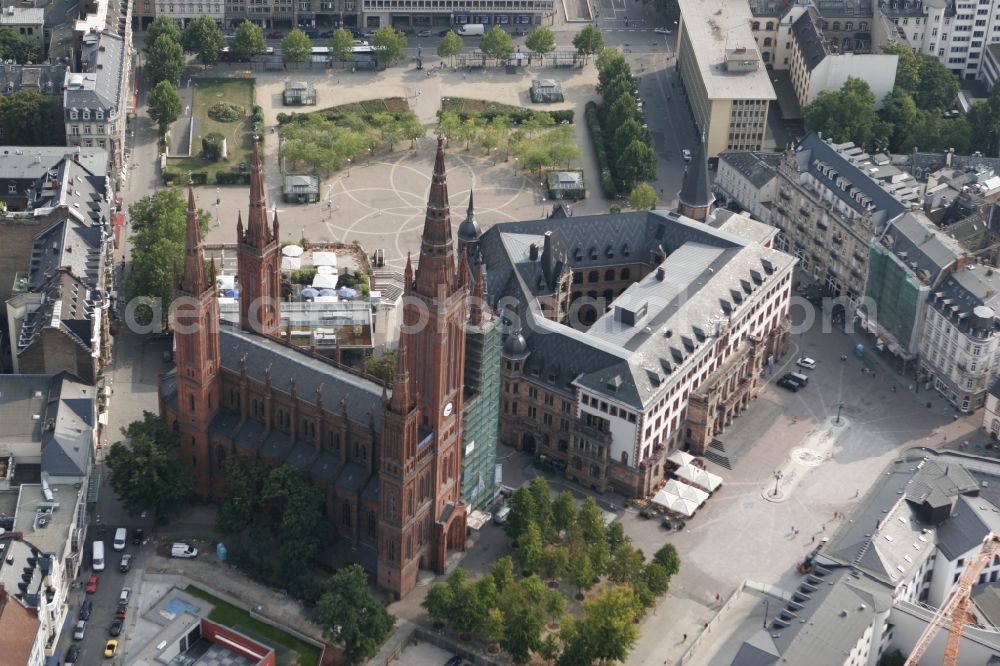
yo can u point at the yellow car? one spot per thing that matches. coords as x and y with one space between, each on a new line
110 649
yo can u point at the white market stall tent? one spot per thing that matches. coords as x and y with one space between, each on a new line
698 477
680 498
680 458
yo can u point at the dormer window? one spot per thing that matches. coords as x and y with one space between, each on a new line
99 114
86 114
73 114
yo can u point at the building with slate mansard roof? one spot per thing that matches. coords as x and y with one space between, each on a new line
388 459
631 335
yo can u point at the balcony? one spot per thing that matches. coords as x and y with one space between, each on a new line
785 194
593 434
804 212
859 257
821 225
818 240
838 239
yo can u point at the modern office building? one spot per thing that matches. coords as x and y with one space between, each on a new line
725 79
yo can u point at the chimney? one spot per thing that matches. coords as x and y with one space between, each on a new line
948 156
533 252
660 274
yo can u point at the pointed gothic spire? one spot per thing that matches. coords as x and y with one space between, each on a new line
274 225
463 266
695 198
193 279
437 254
401 396
408 275
469 231
239 226
257 234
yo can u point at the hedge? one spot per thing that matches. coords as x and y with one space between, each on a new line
516 117
597 140
231 178
181 177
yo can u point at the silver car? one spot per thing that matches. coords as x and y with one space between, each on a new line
79 629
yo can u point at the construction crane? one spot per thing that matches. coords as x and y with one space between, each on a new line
958 608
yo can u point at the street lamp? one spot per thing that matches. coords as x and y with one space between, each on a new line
840 406
348 167
777 478
369 156
515 166
495 149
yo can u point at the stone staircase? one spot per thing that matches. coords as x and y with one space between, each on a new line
716 452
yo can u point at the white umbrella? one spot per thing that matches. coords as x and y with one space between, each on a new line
324 258
326 270
698 477
292 251
321 281
680 458
290 263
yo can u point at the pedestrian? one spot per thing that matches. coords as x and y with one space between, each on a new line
813 540
717 598
685 638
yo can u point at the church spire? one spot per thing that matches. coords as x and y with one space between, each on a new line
695 198
437 254
257 234
402 397
193 279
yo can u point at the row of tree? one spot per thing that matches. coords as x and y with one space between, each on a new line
16 47
498 44
912 116
537 142
558 541
29 118
323 143
626 138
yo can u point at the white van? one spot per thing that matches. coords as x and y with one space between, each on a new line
472 29
501 516
121 535
183 550
799 377
98 556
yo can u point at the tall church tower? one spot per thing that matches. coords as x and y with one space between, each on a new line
196 333
423 516
259 260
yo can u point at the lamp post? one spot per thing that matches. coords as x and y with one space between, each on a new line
348 167
495 149
777 478
369 159
515 166
840 406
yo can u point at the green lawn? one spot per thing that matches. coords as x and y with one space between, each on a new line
206 93
231 616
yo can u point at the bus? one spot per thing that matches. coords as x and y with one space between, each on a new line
227 54
321 54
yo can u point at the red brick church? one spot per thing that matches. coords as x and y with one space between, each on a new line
387 458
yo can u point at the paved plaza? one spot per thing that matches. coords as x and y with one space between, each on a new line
380 201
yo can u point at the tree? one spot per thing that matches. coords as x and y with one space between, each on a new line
467 610
555 604
165 61
411 128
656 578
635 164
581 572
626 565
19 48
341 43
438 602
159 222
450 45
611 65
296 46
591 520
530 549
202 36
29 118
147 474
616 536
389 45
522 512
164 104
606 631
382 367
243 482
497 43
249 41
668 558
493 626
541 40
523 606
503 573
162 25
898 111
563 510
351 616
541 494
643 197
294 508
555 562
845 115
938 85
588 41
599 554
907 66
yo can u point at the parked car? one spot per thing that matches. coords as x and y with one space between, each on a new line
789 384
79 630
92 584
126 563
137 536
124 596
501 516
121 611
183 550
72 655
454 661
370 32
116 628
275 34
686 154
110 648
85 607
661 31
311 33
806 362
327 33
